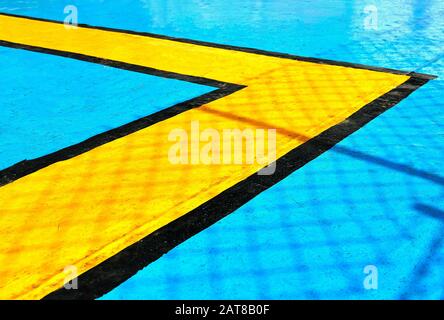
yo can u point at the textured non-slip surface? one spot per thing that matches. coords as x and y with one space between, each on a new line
375 199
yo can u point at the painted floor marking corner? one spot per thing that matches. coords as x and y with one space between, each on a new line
93 208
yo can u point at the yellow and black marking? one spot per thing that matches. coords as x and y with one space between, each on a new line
114 203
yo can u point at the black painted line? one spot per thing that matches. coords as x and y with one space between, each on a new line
119 268
237 48
27 167
114 271
118 64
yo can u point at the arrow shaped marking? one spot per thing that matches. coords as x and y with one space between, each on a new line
114 203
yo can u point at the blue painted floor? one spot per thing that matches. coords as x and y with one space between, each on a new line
375 199
49 103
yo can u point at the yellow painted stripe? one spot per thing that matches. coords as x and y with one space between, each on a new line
84 210
183 58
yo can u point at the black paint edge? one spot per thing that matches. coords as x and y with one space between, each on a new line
238 48
114 271
117 64
27 167
119 268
